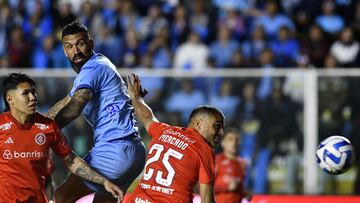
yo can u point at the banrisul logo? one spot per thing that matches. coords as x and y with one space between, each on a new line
7 154
23 155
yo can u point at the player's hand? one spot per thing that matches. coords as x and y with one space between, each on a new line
114 190
134 87
143 92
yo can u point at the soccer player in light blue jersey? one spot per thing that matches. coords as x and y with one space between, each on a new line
100 94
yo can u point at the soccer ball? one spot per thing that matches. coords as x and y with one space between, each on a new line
335 155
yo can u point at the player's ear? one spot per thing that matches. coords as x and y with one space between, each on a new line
9 99
65 51
199 123
91 43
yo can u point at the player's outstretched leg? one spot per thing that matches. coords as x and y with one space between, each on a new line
71 190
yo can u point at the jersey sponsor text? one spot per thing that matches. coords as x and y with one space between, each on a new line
157 188
139 200
6 126
23 155
173 141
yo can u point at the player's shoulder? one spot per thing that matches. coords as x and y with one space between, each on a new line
5 118
42 121
220 157
39 116
160 126
241 160
99 61
201 142
203 148
4 115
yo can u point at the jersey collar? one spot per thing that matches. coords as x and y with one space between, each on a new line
26 126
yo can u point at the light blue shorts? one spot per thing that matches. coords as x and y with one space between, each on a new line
121 161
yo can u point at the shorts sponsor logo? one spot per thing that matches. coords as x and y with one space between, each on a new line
139 200
23 155
40 139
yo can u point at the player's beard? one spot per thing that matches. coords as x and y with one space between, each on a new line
77 66
217 139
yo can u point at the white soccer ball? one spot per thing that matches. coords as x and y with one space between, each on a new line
335 155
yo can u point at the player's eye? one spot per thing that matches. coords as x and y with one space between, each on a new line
81 43
217 126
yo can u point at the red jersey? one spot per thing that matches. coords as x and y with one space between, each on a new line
227 170
24 151
178 158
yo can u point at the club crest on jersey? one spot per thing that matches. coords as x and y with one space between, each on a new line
6 126
41 126
40 139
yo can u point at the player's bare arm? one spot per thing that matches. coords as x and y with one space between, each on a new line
207 193
82 169
74 107
142 110
53 111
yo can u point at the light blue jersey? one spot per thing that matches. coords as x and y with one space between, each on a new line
118 152
109 111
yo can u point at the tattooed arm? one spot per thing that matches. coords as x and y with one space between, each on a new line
74 107
53 111
80 168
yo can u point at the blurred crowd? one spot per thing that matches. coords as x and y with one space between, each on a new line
224 33
199 35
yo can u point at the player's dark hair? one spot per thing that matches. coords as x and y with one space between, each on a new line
74 28
11 82
205 109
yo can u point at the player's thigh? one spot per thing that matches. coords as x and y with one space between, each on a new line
120 162
71 190
118 158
